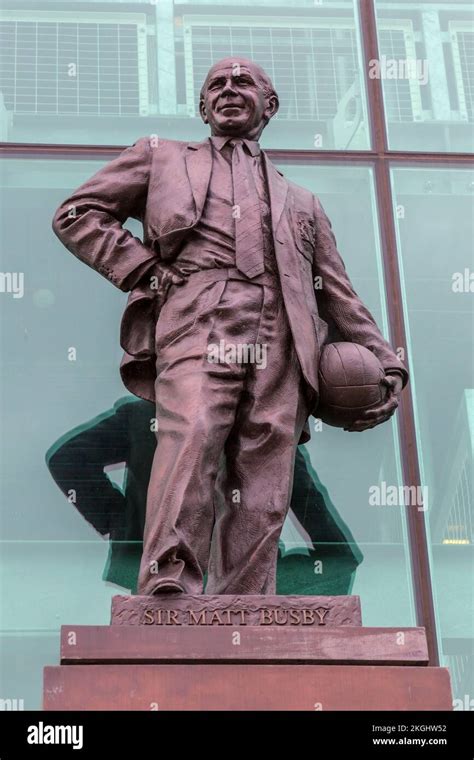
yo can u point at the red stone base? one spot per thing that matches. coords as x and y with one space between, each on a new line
246 687
237 653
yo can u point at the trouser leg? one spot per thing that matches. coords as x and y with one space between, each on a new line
260 454
180 512
196 402
203 409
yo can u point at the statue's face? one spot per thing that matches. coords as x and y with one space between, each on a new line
234 101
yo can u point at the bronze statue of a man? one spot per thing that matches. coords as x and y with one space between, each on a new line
223 330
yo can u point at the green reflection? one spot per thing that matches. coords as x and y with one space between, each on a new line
122 437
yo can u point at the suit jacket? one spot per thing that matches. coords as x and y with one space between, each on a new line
164 185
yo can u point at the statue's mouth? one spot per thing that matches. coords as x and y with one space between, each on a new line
230 107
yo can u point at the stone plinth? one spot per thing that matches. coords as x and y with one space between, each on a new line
204 610
246 644
181 652
246 687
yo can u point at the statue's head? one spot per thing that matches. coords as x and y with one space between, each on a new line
237 98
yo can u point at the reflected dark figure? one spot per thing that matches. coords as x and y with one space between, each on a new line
123 434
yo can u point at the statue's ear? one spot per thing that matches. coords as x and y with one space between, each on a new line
273 104
202 111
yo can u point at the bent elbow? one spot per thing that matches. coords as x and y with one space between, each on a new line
57 222
64 215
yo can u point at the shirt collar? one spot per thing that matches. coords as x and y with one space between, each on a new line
219 141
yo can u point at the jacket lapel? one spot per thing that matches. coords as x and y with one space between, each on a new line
198 159
278 190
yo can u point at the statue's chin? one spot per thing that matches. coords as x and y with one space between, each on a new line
232 127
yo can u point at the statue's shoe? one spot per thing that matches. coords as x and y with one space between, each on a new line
168 587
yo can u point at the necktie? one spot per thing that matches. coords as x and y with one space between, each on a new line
248 224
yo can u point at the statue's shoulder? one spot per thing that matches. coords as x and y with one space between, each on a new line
154 143
301 194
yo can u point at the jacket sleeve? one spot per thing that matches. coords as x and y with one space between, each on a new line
338 300
89 222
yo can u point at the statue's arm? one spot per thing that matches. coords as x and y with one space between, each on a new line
89 222
338 300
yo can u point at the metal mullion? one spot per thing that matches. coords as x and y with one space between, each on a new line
15 66
394 158
36 67
419 553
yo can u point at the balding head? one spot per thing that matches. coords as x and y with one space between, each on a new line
235 62
237 98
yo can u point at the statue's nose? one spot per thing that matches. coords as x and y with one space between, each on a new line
229 87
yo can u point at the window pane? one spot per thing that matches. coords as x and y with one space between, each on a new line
110 76
66 416
350 468
427 70
435 229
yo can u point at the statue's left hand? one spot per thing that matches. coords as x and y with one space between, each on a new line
384 410
163 276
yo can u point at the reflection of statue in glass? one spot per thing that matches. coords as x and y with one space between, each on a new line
223 329
123 435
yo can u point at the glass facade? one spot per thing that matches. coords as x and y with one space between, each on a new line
426 52
79 73
436 262
103 74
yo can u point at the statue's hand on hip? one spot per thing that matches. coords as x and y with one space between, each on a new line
161 277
